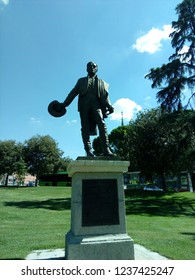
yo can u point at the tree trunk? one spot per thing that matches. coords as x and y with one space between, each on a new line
189 182
6 179
163 181
37 181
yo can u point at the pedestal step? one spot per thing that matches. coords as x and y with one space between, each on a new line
99 247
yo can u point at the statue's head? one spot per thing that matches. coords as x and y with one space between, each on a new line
92 68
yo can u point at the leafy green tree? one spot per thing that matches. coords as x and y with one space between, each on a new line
178 75
157 143
10 156
118 142
146 147
164 143
182 127
97 147
122 140
21 171
62 164
42 155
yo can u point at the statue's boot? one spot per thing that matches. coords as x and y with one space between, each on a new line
87 145
105 143
89 153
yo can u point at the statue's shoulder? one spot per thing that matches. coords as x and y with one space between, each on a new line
104 84
82 79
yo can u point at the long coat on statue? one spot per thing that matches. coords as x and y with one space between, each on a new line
81 89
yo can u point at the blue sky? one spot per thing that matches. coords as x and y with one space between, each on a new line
46 44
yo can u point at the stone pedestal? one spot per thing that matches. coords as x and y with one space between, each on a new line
98 229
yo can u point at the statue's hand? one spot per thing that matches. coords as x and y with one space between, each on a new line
111 110
59 107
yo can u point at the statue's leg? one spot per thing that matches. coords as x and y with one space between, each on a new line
103 133
85 132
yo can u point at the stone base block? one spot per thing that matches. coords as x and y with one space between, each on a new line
99 247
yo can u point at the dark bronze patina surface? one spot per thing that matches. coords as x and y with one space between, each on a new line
99 202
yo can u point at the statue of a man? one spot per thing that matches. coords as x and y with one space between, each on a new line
93 106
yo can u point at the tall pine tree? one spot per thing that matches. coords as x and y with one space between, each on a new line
173 78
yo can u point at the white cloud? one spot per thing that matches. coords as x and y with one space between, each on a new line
5 2
71 122
34 120
147 98
126 106
151 41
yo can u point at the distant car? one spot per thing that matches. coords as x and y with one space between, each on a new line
153 188
31 184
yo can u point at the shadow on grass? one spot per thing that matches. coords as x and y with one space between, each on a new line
58 204
12 259
192 234
150 203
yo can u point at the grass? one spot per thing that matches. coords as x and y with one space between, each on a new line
38 218
163 223
32 219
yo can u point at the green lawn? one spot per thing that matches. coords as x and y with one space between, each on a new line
32 218
163 223
38 218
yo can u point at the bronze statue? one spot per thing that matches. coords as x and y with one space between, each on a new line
93 105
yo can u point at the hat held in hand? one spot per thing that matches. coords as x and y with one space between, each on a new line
56 109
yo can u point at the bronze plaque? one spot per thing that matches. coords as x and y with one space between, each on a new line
99 202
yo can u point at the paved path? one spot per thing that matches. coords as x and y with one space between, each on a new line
141 253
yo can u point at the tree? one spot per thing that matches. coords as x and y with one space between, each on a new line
164 143
157 143
97 146
122 140
179 74
119 143
42 155
10 156
62 164
147 149
20 171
